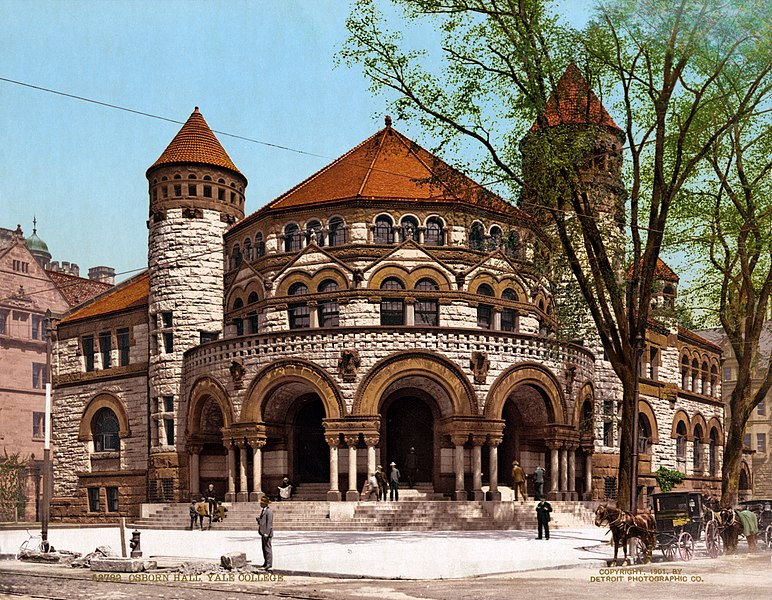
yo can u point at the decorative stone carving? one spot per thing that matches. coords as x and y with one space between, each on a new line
371 440
479 364
570 375
348 363
237 371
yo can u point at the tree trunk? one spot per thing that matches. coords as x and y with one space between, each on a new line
730 472
626 441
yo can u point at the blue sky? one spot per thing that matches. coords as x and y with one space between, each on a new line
262 69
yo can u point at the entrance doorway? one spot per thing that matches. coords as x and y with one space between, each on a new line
409 423
311 452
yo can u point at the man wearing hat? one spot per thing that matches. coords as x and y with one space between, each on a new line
518 480
265 529
383 483
394 482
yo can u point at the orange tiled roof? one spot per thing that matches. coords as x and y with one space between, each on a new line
574 103
132 293
388 166
195 143
77 290
661 271
693 337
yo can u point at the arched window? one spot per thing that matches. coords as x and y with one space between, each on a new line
509 315
292 238
512 245
253 297
238 321
383 231
259 245
476 235
329 315
485 311
713 452
299 317
426 309
681 440
435 233
408 229
337 232
586 422
236 257
697 457
704 380
314 233
392 309
684 373
104 430
248 250
495 238
644 434
713 381
695 375
238 303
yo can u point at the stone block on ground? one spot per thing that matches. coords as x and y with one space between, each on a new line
117 564
233 560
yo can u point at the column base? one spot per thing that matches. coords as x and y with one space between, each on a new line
460 495
587 496
230 496
352 496
555 496
333 496
494 496
242 497
477 495
255 496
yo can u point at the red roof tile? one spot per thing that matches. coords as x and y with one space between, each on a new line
132 293
661 272
77 290
388 166
574 103
195 143
693 337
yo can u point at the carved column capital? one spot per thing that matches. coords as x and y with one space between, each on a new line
371 440
553 445
195 448
351 440
242 443
479 439
459 439
333 440
257 443
495 440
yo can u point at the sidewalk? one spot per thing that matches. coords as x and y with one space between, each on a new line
402 555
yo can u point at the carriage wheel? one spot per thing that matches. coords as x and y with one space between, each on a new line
712 540
669 550
686 546
639 551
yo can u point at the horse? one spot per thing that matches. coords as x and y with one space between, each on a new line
625 525
730 526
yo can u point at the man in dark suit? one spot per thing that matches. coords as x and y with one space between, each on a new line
394 483
543 510
265 529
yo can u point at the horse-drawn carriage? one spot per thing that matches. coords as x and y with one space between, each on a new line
682 520
763 511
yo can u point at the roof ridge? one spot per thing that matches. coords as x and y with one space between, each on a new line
376 155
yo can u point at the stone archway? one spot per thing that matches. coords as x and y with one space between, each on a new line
408 422
310 453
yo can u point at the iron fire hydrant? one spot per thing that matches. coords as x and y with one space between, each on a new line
136 551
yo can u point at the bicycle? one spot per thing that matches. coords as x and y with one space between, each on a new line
33 543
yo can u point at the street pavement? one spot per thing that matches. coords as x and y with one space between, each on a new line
391 555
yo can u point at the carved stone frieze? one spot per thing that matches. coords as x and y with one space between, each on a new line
479 364
348 363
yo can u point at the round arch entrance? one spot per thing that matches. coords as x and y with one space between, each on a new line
408 422
213 458
311 455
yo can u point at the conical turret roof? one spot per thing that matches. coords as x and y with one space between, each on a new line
195 143
574 103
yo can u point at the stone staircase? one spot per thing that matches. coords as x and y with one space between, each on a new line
412 514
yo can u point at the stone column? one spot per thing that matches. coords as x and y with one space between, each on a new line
493 467
421 234
352 494
477 442
563 472
458 442
588 476
554 470
409 311
313 313
243 494
257 470
496 318
572 472
230 495
333 495
371 441
195 472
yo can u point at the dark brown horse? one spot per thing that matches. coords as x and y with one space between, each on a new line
625 525
730 526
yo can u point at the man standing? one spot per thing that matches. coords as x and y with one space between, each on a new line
543 510
394 482
265 529
518 480
411 466
211 500
538 479
383 483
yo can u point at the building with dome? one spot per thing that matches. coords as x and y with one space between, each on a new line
386 302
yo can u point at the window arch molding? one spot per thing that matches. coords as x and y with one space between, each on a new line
329 273
714 423
292 237
337 231
483 277
383 229
408 228
476 237
681 417
698 420
97 403
291 279
435 229
419 273
384 273
644 408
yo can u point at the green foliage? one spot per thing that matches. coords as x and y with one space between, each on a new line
668 479
12 468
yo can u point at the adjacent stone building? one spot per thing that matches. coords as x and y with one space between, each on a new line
386 302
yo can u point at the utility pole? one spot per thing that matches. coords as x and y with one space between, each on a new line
47 443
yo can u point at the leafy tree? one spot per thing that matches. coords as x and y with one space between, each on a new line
491 79
727 216
12 468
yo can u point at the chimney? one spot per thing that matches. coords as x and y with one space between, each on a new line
103 274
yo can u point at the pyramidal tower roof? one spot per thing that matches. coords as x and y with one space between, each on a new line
195 143
388 166
573 103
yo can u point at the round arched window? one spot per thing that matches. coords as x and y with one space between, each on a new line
104 430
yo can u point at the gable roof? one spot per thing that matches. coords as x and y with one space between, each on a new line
572 102
77 290
132 293
195 143
661 271
388 166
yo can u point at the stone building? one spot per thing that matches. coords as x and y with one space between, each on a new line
28 289
386 302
